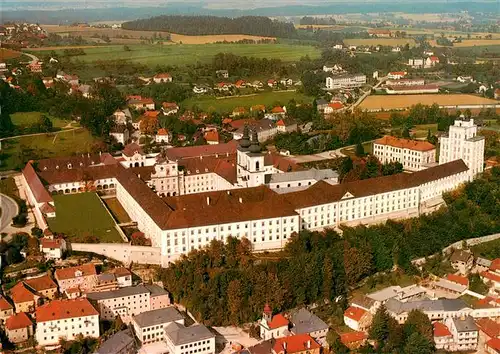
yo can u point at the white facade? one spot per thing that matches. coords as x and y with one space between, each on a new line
465 333
345 81
413 155
463 143
49 332
154 331
188 340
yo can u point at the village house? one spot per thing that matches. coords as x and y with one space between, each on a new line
462 260
272 83
286 126
333 106
212 137
240 84
434 309
443 339
123 276
35 66
25 299
105 282
464 331
222 73
140 103
239 111
67 319
169 108
396 75
321 104
223 86
82 277
272 326
18 327
52 248
121 133
353 340
296 344
304 322
276 113
497 94
122 116
200 89
357 318
6 309
345 81
181 340
492 346
150 326
162 78
43 285
414 155
163 136
286 82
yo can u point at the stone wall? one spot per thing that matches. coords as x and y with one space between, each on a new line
122 252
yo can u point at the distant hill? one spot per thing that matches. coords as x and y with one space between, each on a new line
211 25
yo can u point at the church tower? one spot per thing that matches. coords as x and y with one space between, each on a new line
250 161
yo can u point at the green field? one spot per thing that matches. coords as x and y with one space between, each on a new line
182 54
25 119
225 105
83 214
16 152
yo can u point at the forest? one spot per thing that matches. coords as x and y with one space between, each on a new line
212 25
226 283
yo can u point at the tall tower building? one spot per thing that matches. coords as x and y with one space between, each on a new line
463 143
251 168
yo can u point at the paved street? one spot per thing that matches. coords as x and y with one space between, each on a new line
9 210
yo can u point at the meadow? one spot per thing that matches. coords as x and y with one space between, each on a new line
25 119
226 105
16 152
83 214
467 43
182 54
381 41
6 54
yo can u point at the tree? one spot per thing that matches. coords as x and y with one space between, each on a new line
477 285
418 322
234 297
126 48
335 344
357 263
419 344
406 133
37 232
380 328
360 150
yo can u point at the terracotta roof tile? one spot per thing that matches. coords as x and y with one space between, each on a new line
132 149
278 109
61 309
352 337
4 304
69 273
489 327
203 150
37 187
47 208
18 321
354 313
495 264
21 293
41 283
163 76
494 343
417 145
458 279
51 242
440 330
120 271
162 131
491 276
212 136
295 344
277 321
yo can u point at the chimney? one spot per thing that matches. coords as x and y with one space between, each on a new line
241 200
208 200
308 344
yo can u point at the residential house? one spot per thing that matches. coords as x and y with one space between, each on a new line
492 346
338 46
223 86
169 108
304 322
105 282
66 319
333 106
356 318
122 116
396 49
464 331
272 83
200 89
462 260
258 108
121 133
35 67
6 309
286 126
451 287
286 82
321 104
256 84
482 264
431 61
488 328
125 302
122 342
443 338
18 327
159 297
222 73
396 75
212 137
414 155
272 326
82 276
239 111
162 78
163 136
140 103
24 298
278 112
296 344
182 340
434 309
43 285
353 340
150 326
492 279
123 276
48 82
416 63
52 248
240 84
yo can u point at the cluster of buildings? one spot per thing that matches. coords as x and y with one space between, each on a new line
345 81
423 63
185 197
398 84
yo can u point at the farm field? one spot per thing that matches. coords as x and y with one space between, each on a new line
387 103
466 43
381 41
16 152
181 54
6 54
225 105
81 215
24 119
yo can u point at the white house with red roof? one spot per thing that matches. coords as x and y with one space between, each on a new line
396 75
162 78
169 108
333 106
212 137
353 340
18 327
52 248
273 326
66 319
356 318
443 338
6 309
163 136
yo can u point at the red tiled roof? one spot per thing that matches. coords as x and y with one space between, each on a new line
495 264
47 208
336 105
72 162
405 143
239 110
240 82
212 135
20 293
440 330
280 123
277 321
202 150
162 131
171 105
69 273
151 114
354 313
61 309
281 163
491 276
36 186
489 327
18 321
227 121
139 100
458 279
163 76
401 73
294 344
120 271
434 58
494 343
352 337
131 149
258 107
278 109
51 243
41 283
4 304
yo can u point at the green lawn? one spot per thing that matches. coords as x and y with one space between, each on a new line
80 215
16 152
24 119
182 54
269 98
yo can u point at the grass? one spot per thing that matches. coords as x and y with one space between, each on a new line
381 41
351 151
117 210
8 187
381 281
25 119
16 152
80 215
182 54
6 54
490 250
224 105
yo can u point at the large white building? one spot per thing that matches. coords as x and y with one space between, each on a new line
346 81
462 142
189 340
150 326
65 319
414 155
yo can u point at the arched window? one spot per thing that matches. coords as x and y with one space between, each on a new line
136 164
257 165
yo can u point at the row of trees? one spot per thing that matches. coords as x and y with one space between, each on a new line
226 284
207 25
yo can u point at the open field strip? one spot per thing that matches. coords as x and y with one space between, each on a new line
381 41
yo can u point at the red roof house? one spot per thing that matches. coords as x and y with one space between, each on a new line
296 344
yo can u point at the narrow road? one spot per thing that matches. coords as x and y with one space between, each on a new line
35 134
366 94
9 210
34 59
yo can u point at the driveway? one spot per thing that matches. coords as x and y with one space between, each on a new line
326 155
9 210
